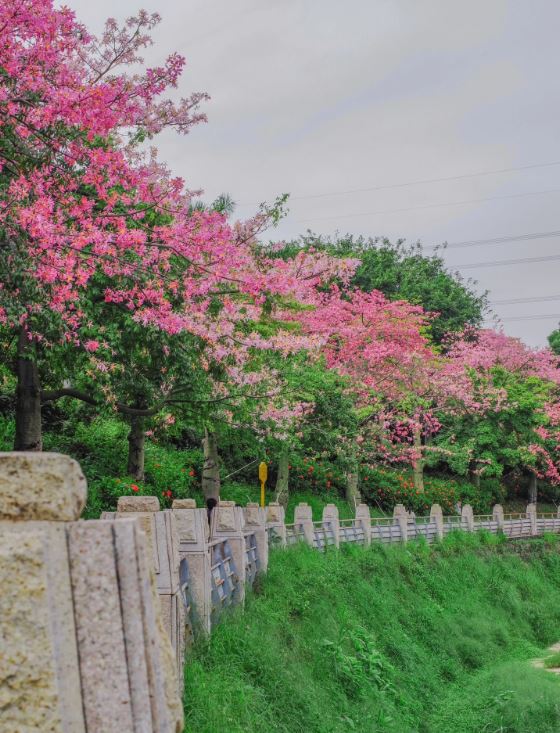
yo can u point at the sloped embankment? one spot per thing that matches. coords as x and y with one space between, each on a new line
401 639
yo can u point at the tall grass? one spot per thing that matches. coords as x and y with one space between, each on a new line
406 639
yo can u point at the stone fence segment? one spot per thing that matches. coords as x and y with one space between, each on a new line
83 646
275 524
303 523
163 549
195 567
255 524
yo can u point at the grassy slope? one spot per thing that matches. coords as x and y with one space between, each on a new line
397 639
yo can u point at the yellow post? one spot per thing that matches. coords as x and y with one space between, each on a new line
263 475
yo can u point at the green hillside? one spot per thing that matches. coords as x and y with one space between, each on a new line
401 639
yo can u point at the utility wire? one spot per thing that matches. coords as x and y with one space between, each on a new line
501 263
537 299
496 240
431 206
417 182
531 318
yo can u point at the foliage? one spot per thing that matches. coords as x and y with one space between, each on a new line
393 639
385 488
406 272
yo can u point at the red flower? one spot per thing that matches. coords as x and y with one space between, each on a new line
191 472
168 492
328 483
134 487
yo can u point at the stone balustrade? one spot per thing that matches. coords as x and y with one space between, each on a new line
96 615
83 647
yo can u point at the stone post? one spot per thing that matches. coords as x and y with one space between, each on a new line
401 516
467 517
275 523
227 523
436 515
163 550
532 516
363 519
255 521
193 533
303 515
330 516
498 516
83 646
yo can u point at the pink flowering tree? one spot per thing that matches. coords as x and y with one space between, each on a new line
97 236
511 426
398 379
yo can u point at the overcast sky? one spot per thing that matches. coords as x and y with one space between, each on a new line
318 98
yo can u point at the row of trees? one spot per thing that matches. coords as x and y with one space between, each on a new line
120 290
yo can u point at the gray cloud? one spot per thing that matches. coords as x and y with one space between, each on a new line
314 97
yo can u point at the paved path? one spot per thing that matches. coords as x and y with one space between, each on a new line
539 663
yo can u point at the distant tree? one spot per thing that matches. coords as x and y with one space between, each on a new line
554 341
404 271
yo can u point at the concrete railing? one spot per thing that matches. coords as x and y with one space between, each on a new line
95 616
83 648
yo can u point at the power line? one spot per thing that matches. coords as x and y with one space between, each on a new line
532 318
537 299
496 240
443 179
431 206
499 263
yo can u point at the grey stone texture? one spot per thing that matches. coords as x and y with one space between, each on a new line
162 543
227 523
193 534
303 516
363 518
436 515
83 646
275 522
331 518
255 522
46 486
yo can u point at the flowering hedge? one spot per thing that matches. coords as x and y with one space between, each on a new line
384 488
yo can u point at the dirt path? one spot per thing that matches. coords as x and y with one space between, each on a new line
539 663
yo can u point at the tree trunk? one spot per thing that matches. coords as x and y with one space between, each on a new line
283 478
136 441
533 488
352 493
418 465
475 477
28 398
211 469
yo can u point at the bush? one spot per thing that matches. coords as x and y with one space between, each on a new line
384 488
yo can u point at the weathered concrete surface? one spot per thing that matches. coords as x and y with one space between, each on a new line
193 533
138 504
103 663
38 653
36 486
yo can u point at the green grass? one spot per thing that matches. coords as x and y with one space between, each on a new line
553 661
402 639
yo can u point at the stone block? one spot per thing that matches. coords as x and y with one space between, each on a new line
303 516
331 519
41 486
436 515
137 504
255 522
275 523
38 652
363 518
467 518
